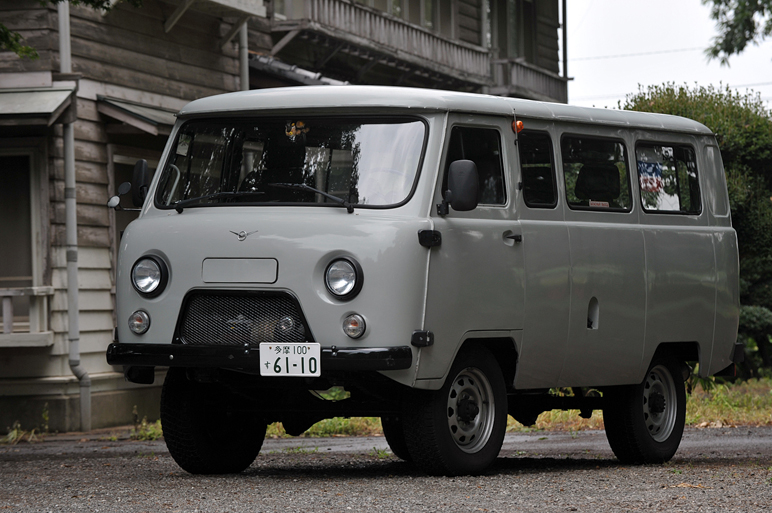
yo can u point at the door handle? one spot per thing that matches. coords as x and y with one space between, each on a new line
515 237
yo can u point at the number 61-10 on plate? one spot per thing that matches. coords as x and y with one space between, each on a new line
290 359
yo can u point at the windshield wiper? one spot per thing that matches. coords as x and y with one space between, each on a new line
304 187
193 201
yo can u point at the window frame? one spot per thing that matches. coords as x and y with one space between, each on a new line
553 164
626 160
649 211
502 167
363 117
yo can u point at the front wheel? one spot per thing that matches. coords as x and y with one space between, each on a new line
394 433
644 423
205 430
459 429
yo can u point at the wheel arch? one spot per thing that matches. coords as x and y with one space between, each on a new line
503 349
682 351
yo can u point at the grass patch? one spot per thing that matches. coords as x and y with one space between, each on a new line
16 434
747 403
147 431
338 426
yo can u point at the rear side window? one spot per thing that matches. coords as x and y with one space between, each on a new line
668 178
537 169
596 175
483 147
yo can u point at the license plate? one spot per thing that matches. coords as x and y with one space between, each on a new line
290 359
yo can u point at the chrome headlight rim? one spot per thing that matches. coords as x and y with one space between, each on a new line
358 279
163 278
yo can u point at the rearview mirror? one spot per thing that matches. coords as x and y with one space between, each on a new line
462 185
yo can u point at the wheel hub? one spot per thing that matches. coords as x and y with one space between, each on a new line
467 409
659 403
470 410
656 403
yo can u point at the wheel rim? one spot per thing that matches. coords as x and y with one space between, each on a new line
471 410
659 403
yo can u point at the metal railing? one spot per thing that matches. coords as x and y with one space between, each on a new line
391 35
37 321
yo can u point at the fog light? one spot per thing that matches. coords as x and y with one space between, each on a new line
139 322
354 326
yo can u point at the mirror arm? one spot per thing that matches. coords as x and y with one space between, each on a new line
444 208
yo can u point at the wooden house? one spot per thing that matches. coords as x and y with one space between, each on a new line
103 94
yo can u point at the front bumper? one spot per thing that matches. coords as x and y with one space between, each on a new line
247 358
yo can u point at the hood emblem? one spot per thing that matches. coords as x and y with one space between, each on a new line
242 235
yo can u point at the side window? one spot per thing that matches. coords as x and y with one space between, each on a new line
483 147
595 171
668 178
538 169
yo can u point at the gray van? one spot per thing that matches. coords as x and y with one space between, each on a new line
446 258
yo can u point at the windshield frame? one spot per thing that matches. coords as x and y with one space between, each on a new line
373 118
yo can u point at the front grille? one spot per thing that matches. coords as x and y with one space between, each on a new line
235 320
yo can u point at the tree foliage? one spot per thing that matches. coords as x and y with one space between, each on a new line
739 22
13 41
743 129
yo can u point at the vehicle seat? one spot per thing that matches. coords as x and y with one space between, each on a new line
598 182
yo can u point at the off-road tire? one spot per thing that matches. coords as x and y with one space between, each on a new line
393 432
204 430
443 433
636 429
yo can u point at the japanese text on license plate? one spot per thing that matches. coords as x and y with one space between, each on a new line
290 359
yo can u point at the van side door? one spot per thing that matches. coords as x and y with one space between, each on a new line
475 279
547 260
608 259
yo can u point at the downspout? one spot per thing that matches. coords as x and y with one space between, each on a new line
71 227
244 56
565 41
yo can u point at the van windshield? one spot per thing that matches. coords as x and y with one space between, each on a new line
295 161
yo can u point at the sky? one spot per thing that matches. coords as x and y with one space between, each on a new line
661 41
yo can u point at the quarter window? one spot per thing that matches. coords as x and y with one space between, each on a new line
537 169
668 178
483 147
596 174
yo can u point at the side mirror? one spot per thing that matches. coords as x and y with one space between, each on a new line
139 183
115 201
463 185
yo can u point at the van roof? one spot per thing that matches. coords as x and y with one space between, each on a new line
382 97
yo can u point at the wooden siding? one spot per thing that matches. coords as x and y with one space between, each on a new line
469 21
547 26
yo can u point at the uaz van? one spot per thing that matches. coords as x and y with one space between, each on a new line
447 259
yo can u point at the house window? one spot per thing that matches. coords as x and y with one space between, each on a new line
16 229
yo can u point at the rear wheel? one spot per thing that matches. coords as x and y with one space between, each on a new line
459 429
204 429
394 434
644 423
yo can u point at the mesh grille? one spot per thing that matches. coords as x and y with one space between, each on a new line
238 320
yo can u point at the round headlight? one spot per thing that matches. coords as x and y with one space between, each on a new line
149 276
139 322
344 278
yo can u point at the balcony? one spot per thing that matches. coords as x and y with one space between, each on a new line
520 79
359 44
31 330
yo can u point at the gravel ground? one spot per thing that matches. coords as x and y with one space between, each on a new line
728 469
